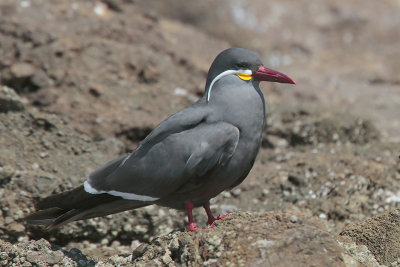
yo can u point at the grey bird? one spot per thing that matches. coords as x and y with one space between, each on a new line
189 158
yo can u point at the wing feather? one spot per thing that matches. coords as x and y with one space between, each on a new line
180 150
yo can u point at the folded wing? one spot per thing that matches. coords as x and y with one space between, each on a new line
180 150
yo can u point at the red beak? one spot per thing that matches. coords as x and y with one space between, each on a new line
265 74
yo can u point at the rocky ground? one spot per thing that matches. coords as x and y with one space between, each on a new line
83 82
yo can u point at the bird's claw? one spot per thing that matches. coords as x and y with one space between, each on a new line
211 220
193 228
222 216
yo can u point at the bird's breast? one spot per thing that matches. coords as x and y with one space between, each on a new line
244 108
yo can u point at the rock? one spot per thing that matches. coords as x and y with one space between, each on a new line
37 253
51 257
149 74
6 172
296 180
10 101
356 255
20 77
139 251
41 80
380 234
250 239
16 228
22 70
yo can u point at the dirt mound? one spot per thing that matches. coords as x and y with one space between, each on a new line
116 62
302 126
255 239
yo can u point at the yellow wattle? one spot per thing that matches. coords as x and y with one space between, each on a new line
244 76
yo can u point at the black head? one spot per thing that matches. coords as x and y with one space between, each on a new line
233 59
243 63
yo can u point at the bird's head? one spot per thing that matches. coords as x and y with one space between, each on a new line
245 64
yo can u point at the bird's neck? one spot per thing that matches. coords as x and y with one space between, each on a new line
240 103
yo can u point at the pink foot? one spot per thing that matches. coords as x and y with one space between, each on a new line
192 227
222 216
211 218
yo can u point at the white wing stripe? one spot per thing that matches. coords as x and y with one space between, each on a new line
130 196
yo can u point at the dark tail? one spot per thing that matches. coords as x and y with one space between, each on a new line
77 204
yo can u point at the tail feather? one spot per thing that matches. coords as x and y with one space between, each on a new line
52 218
44 217
77 204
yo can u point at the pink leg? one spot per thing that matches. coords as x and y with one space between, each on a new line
189 207
211 218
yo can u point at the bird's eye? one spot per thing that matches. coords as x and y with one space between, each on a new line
242 65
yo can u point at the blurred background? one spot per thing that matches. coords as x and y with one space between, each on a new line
84 81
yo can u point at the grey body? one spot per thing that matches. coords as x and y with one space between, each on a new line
224 134
190 157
